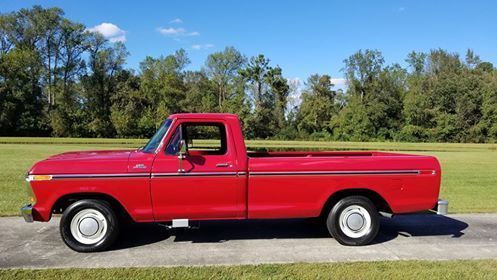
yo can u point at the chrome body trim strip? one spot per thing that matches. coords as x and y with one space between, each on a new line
193 174
341 172
143 175
100 176
234 173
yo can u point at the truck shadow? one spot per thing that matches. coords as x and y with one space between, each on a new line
420 225
222 231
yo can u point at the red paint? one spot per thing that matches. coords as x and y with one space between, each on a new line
252 185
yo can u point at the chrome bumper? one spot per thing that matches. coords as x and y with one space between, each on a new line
27 213
442 207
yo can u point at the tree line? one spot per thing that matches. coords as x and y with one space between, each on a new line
59 79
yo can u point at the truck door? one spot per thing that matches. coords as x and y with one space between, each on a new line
209 186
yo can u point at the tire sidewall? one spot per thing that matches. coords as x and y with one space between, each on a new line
333 221
73 209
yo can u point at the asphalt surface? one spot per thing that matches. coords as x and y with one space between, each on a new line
429 237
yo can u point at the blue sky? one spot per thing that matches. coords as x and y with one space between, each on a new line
303 37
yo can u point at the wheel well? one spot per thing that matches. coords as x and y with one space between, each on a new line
64 201
380 203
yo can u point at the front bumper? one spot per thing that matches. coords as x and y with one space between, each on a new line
27 213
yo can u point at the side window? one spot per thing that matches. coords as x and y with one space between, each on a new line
201 139
172 146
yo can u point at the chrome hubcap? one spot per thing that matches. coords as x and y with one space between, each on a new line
355 221
88 226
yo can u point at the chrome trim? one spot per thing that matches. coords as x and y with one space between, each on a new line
161 144
194 174
141 175
100 176
442 207
341 172
27 213
263 173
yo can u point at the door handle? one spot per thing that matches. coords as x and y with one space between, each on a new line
225 164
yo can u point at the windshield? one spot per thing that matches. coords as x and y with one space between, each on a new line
154 142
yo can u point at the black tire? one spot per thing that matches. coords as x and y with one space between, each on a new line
344 234
93 206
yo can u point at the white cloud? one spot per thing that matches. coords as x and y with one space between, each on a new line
171 31
110 31
340 83
402 9
202 46
176 20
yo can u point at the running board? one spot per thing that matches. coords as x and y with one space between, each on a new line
180 223
386 214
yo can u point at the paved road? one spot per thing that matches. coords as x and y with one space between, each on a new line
249 242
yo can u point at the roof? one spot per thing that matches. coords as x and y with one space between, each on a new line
202 115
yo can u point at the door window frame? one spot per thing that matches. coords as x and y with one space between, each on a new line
230 149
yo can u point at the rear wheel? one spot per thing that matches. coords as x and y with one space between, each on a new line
353 221
89 225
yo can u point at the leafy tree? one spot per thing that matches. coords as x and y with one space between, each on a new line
472 60
352 123
21 67
239 103
417 62
255 74
487 126
269 91
162 85
318 105
127 104
100 84
362 70
375 97
279 91
200 94
222 68
58 78
21 94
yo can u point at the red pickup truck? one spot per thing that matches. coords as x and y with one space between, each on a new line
196 167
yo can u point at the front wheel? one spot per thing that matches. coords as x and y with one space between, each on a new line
89 225
353 221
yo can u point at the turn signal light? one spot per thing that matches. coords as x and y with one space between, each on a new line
39 177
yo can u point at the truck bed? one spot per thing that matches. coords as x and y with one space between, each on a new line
300 182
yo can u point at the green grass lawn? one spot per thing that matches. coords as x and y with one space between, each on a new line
469 179
482 269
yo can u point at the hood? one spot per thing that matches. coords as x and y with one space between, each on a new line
84 162
93 155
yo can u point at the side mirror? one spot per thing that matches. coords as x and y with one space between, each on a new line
182 152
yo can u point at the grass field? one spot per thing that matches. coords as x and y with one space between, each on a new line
483 269
469 178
